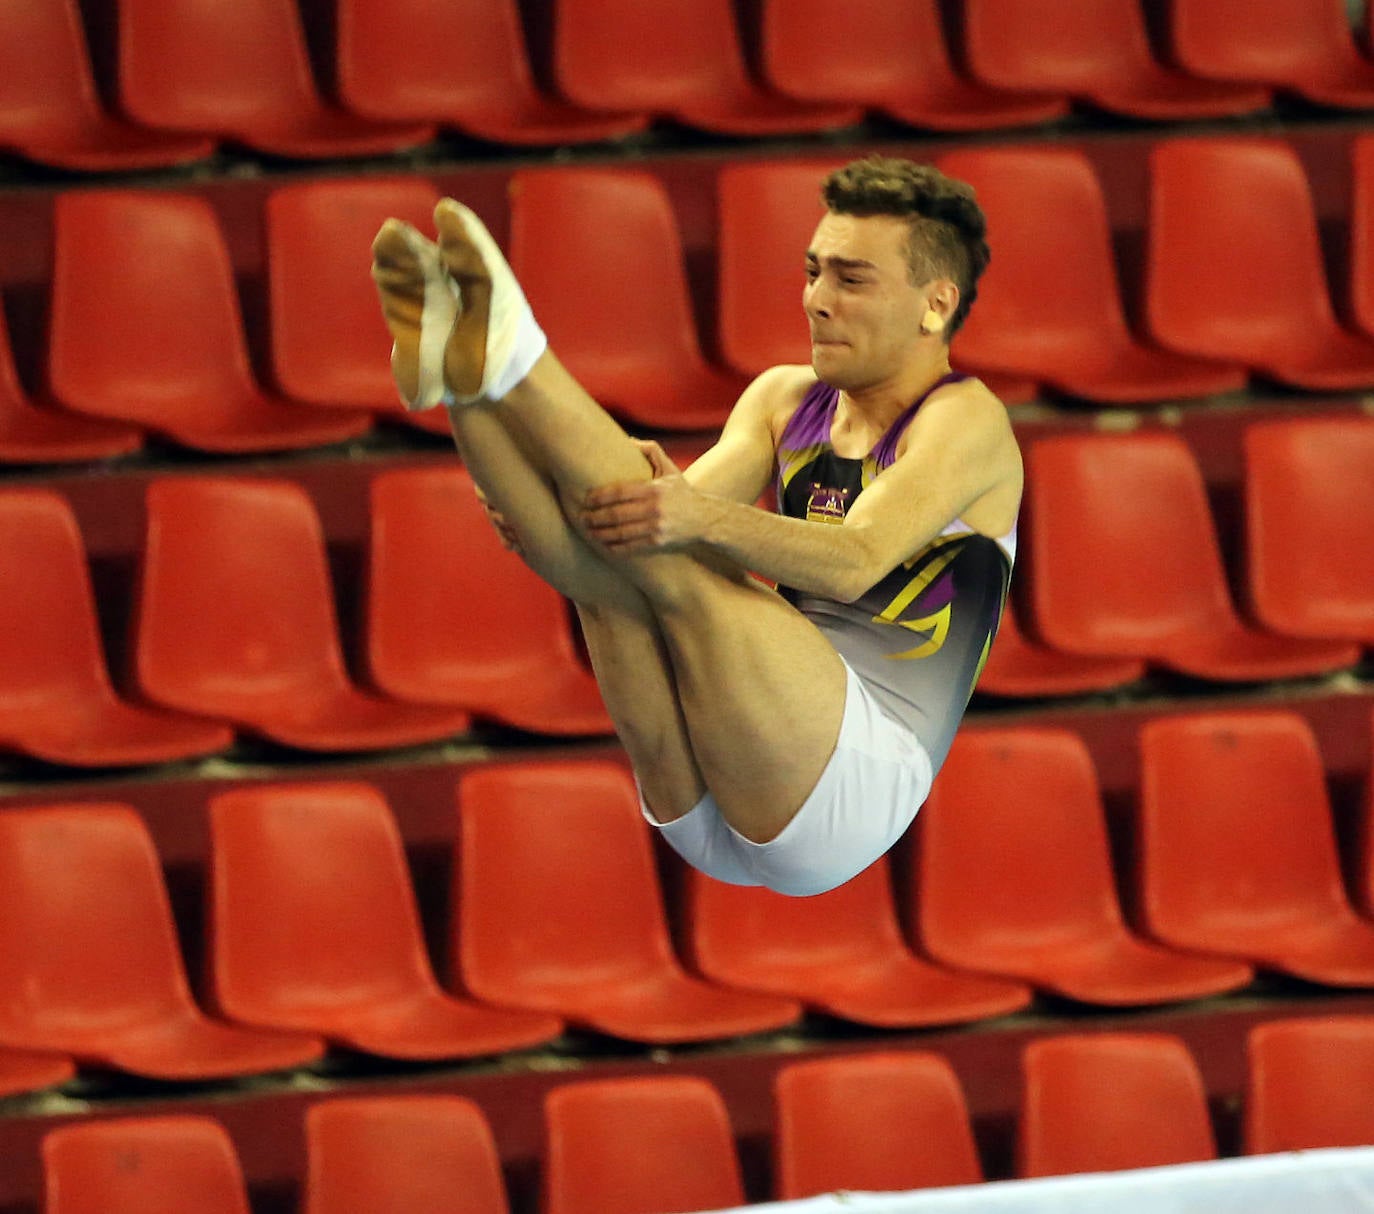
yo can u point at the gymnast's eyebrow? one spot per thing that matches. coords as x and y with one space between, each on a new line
843 263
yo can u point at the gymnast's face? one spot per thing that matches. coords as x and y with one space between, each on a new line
863 309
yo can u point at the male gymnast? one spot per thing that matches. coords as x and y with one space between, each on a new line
787 737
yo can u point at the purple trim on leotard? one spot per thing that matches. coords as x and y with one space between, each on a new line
811 422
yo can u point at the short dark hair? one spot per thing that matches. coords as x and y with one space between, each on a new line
947 231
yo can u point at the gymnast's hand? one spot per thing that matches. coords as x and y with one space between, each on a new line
659 515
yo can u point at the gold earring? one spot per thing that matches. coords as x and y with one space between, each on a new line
932 322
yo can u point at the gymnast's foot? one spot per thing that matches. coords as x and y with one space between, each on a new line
495 340
400 281
477 338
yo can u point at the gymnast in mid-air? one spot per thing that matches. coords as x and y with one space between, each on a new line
785 737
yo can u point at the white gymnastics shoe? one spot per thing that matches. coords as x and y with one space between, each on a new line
514 340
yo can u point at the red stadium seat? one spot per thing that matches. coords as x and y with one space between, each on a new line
90 943
1126 562
1238 850
146 327
316 929
639 1145
768 213
401 1155
613 233
875 1122
1022 668
1363 877
687 63
1048 216
559 909
49 109
1105 1102
1310 1084
21 1071
56 699
1309 514
839 952
240 71
1361 218
143 1165
889 56
1305 46
454 619
236 619
330 345
32 434
1097 50
1234 264
1013 876
461 64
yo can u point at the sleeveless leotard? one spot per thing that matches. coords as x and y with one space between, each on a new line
918 637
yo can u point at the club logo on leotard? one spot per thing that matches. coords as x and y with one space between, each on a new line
826 505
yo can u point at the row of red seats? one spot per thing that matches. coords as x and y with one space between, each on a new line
557 910
874 1122
235 623
186 77
1235 286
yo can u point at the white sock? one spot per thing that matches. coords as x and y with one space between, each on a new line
514 339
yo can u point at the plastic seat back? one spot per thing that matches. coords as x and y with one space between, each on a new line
1106 507
401 1155
1309 513
214 67
312 902
1234 264
875 1122
1050 218
144 1165
767 216
1300 43
1020 666
444 595
1092 44
864 54
1013 858
235 600
639 1145
1309 1084
46 86
87 924
145 315
329 342
686 51
1109 1101
614 228
50 649
847 927
1361 218
556 882
1235 829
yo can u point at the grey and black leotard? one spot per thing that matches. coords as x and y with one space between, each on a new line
919 637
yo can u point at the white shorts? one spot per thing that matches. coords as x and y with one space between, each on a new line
868 794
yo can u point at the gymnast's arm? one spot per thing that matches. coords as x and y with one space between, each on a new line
958 449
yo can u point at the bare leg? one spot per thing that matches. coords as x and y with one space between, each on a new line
627 650
762 690
632 666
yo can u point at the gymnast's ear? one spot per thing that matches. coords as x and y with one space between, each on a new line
941 303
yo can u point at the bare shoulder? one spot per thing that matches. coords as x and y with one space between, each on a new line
773 396
975 411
